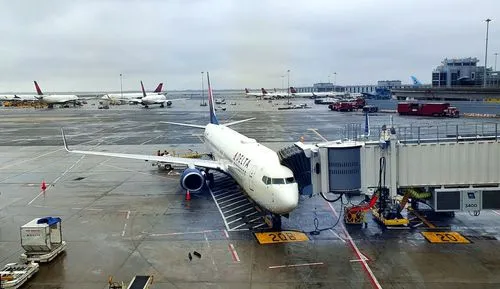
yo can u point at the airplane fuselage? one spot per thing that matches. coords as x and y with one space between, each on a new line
255 168
58 98
155 99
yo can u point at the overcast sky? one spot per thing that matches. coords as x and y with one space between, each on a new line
85 45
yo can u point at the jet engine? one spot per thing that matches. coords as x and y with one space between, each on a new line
192 179
169 103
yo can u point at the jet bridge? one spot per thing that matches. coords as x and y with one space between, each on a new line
458 171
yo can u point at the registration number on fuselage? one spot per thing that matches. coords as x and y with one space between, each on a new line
281 237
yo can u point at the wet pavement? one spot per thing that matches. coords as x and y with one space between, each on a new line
125 217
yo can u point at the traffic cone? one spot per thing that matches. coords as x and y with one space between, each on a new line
188 195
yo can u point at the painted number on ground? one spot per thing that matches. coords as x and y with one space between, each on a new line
281 237
445 237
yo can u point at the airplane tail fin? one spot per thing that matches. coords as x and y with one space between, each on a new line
416 82
292 89
246 90
213 117
263 91
143 91
159 87
367 125
38 90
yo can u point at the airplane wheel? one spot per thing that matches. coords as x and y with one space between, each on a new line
162 106
276 222
146 106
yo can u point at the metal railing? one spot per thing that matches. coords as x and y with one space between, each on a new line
429 133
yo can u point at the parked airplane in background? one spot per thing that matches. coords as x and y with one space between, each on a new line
416 82
294 93
255 168
17 97
260 94
52 99
153 98
131 95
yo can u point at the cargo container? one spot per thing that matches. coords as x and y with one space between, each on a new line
427 109
41 238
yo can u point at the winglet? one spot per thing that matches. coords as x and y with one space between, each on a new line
143 91
64 140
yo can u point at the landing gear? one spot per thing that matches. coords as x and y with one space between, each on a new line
146 106
276 219
210 178
162 105
50 106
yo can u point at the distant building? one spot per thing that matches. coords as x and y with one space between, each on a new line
463 72
389 83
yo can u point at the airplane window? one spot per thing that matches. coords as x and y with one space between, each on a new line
290 180
278 181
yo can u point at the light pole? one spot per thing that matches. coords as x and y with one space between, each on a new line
496 54
335 81
202 89
486 50
288 84
282 83
121 86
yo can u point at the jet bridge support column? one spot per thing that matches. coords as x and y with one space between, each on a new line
394 167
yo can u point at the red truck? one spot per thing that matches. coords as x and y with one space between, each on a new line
428 109
359 103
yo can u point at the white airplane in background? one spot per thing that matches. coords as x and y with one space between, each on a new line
17 97
294 92
131 95
260 94
150 99
256 168
52 99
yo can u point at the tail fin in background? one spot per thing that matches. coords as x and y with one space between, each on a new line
143 91
416 82
292 89
246 90
213 117
263 91
38 90
367 125
158 88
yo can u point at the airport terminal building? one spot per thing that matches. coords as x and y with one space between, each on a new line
463 72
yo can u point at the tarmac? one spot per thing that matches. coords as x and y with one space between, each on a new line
123 218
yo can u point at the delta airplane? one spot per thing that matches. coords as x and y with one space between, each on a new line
17 97
130 95
262 93
149 99
52 99
294 92
255 168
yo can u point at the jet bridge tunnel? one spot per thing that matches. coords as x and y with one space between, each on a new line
455 175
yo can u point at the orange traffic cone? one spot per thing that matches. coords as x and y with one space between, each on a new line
188 195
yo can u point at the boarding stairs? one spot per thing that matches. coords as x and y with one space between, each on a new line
238 211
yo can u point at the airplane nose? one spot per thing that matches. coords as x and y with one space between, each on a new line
289 199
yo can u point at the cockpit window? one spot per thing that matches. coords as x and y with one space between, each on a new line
278 181
290 180
264 179
268 181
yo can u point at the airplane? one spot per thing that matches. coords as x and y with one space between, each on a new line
130 95
416 82
17 97
262 93
52 99
149 99
256 168
293 93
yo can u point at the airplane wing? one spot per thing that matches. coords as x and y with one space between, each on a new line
165 159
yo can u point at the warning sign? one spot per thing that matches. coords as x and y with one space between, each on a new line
281 237
445 237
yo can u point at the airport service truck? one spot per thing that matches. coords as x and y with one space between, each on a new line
428 109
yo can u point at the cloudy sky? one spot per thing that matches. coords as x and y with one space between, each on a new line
85 45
